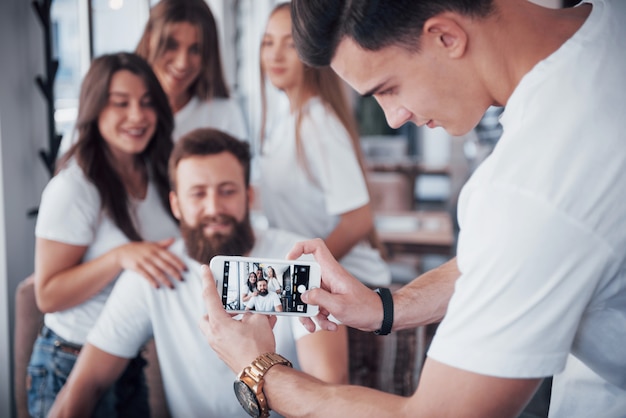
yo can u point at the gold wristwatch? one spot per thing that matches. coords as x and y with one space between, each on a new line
249 384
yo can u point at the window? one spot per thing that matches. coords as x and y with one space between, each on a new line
82 30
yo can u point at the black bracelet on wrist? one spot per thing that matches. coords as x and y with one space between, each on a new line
385 296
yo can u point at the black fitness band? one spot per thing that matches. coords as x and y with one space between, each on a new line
385 296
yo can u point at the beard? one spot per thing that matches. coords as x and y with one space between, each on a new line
263 292
203 248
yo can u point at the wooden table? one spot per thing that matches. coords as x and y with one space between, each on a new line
406 164
416 232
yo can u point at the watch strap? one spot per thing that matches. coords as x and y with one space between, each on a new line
253 376
387 299
263 363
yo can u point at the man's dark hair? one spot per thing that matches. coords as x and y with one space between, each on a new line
208 141
319 25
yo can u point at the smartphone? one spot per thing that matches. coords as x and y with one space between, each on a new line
263 285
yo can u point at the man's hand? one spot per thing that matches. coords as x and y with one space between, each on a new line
341 295
236 342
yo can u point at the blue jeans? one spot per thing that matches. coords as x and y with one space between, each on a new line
50 365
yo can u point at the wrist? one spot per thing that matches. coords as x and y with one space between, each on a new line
115 257
249 384
387 304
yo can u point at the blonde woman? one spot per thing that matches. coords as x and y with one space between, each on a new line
273 284
311 177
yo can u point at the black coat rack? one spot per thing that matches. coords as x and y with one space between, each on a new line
46 84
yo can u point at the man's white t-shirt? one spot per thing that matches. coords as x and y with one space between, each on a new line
70 212
197 383
267 303
310 202
542 244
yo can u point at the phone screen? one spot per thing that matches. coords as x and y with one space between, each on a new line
264 287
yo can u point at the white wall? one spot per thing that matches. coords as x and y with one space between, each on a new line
22 176
5 358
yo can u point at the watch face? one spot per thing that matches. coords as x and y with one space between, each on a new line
247 398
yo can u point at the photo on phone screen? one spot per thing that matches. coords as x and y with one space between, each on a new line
266 286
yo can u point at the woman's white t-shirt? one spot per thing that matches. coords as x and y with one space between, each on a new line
219 113
70 212
310 200
273 284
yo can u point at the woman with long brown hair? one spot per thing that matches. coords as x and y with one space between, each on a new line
105 210
250 288
180 41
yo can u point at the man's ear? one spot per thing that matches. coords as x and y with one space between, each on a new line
447 33
174 205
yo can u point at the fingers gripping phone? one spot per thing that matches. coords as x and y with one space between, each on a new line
262 285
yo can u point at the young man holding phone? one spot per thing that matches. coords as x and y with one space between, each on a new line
538 287
211 196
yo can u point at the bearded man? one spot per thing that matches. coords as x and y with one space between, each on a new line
264 301
211 196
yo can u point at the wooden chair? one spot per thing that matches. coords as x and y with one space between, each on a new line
391 363
28 322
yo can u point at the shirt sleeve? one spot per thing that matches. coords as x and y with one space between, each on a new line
275 299
69 210
516 307
124 325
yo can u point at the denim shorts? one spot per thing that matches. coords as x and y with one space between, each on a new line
50 365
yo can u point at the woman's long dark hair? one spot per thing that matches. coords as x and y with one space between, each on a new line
251 286
92 153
